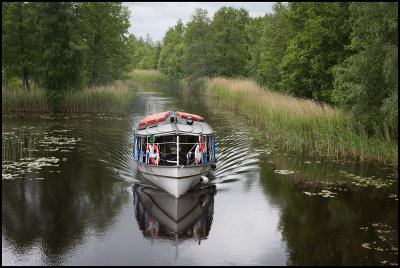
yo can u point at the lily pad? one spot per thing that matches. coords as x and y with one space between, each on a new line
284 172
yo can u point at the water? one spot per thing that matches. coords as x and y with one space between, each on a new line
72 195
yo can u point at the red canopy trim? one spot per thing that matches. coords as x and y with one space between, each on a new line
154 118
195 116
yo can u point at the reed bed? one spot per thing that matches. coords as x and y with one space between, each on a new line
301 124
114 98
18 100
148 76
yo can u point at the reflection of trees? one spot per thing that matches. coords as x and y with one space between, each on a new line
58 211
326 231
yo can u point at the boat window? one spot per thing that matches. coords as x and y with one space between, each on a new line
187 146
167 146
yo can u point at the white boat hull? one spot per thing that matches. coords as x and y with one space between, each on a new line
176 180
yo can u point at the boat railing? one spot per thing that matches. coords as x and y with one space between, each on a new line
166 157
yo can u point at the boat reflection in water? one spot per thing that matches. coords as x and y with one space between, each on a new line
162 216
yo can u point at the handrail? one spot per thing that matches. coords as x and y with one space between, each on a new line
166 155
161 143
169 142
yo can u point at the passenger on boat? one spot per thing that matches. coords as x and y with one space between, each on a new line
200 148
154 154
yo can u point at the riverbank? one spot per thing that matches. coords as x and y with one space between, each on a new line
154 76
114 98
292 123
301 124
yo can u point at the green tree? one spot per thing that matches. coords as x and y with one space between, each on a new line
141 52
274 41
198 46
103 26
171 57
130 53
156 54
62 53
19 41
253 35
321 31
228 38
146 53
367 82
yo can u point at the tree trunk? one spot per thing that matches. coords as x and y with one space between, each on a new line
96 45
21 43
205 56
23 81
92 71
386 130
25 78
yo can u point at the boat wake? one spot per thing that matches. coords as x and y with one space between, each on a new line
235 153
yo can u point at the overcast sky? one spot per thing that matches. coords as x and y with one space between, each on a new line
156 17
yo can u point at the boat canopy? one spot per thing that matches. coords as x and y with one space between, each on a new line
171 123
154 118
194 116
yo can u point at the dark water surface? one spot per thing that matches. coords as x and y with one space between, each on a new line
72 195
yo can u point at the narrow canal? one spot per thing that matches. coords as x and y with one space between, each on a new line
72 195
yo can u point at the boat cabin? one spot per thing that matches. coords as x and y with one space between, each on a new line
174 139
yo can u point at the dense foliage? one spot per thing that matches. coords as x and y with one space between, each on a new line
64 46
341 53
170 60
61 54
367 82
103 26
19 50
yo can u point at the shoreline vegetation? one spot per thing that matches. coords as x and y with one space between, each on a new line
342 54
294 123
112 98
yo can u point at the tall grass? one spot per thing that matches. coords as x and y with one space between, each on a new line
302 124
148 76
18 100
114 98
